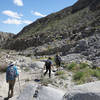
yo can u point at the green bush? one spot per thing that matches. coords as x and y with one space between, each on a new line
64 77
72 66
83 65
86 75
96 73
60 72
78 75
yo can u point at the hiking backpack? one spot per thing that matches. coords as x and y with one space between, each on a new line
58 59
48 63
11 73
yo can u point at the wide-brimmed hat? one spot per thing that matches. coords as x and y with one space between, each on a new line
11 63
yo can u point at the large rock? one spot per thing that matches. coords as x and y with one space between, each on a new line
37 64
75 57
81 46
89 91
28 62
44 93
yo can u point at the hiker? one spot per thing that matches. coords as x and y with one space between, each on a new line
48 65
11 74
57 61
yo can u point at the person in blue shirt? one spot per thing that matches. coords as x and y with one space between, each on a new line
48 65
11 74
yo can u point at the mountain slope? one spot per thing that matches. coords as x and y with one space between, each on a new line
83 16
4 37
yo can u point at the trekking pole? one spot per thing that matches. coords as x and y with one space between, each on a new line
42 69
19 84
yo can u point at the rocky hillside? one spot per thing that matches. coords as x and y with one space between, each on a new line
72 30
4 37
73 23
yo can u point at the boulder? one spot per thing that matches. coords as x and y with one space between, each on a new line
37 64
88 91
81 46
43 93
75 57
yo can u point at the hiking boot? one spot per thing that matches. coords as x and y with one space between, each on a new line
9 95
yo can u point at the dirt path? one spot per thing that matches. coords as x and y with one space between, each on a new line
25 77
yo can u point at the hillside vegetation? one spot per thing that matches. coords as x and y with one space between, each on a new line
74 23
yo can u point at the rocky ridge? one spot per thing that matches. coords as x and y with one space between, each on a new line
59 26
5 37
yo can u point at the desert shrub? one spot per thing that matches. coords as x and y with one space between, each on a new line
83 65
78 75
86 75
64 77
71 66
96 73
60 73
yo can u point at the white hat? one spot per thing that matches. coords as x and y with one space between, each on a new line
11 63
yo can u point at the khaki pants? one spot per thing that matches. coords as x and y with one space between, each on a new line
11 87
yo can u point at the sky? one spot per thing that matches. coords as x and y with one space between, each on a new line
16 14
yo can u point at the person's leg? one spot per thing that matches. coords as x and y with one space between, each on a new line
46 71
9 94
12 87
49 72
57 66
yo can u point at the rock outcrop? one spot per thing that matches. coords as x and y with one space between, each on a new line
88 91
4 37
37 92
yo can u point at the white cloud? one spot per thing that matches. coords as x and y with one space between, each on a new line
16 21
12 21
18 2
12 14
27 22
38 14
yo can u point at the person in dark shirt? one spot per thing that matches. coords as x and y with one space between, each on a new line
57 61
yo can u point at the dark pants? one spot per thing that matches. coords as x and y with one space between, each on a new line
48 69
58 64
11 87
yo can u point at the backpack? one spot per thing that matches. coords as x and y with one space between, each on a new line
58 59
11 73
48 63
